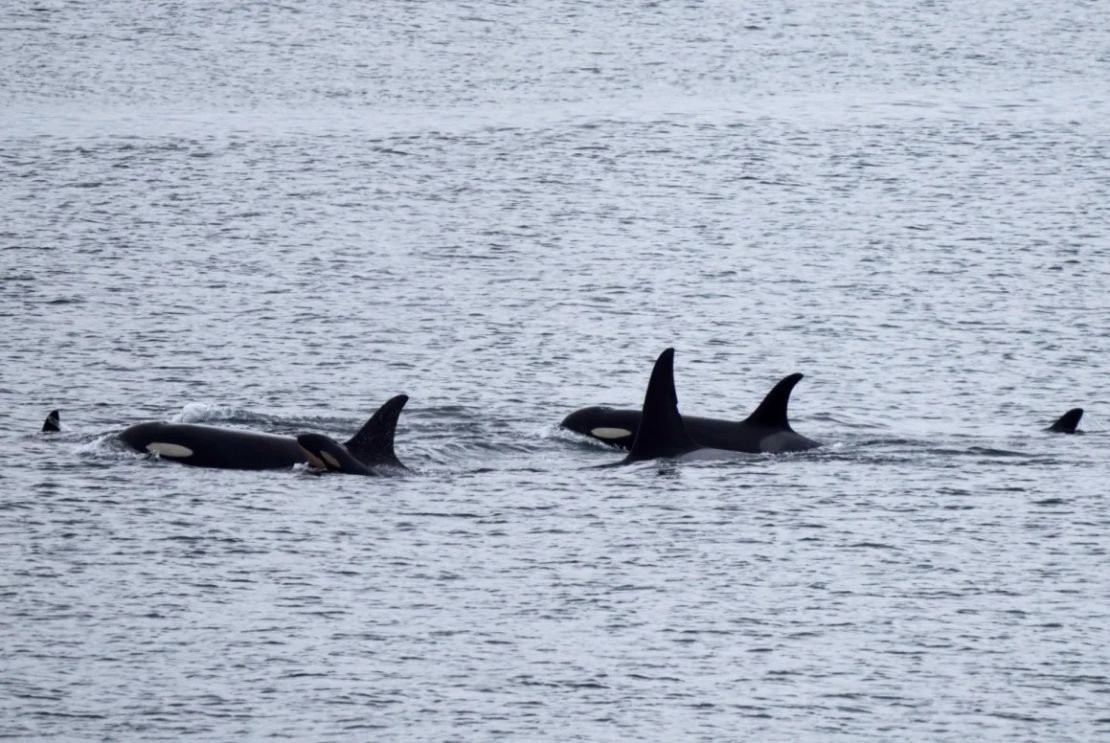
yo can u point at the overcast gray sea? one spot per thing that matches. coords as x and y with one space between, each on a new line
276 217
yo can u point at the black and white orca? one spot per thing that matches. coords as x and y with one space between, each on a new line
328 454
226 448
767 430
1067 422
374 457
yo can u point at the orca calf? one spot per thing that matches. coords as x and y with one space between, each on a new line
327 454
661 433
767 430
1067 422
377 456
226 448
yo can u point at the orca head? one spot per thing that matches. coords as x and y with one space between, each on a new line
608 425
325 453
142 435
158 439
1067 422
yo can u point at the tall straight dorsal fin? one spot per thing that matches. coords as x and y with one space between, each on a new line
1067 422
373 444
662 432
771 413
53 422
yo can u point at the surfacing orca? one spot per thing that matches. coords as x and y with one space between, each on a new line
377 457
662 433
226 448
1066 423
767 430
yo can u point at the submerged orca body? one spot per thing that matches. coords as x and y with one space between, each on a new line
1067 422
767 430
226 448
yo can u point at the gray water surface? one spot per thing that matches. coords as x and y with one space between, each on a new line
277 217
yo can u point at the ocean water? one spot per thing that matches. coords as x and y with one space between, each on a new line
276 217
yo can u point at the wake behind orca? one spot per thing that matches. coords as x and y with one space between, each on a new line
226 448
766 430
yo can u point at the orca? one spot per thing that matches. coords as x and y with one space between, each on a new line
662 432
53 422
374 458
327 454
1067 422
767 430
226 448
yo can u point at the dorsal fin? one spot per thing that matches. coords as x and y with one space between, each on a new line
52 424
1067 422
662 432
771 413
373 444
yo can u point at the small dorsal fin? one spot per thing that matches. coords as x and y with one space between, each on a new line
771 413
53 422
1067 422
373 444
662 432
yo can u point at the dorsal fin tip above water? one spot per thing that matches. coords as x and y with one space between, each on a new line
1067 422
53 422
772 412
662 432
373 444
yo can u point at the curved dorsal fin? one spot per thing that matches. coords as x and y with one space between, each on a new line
662 432
373 444
1067 422
771 413
52 424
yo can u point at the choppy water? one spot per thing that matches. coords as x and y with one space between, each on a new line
276 217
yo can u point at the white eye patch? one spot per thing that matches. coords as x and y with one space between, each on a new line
610 433
333 463
173 451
